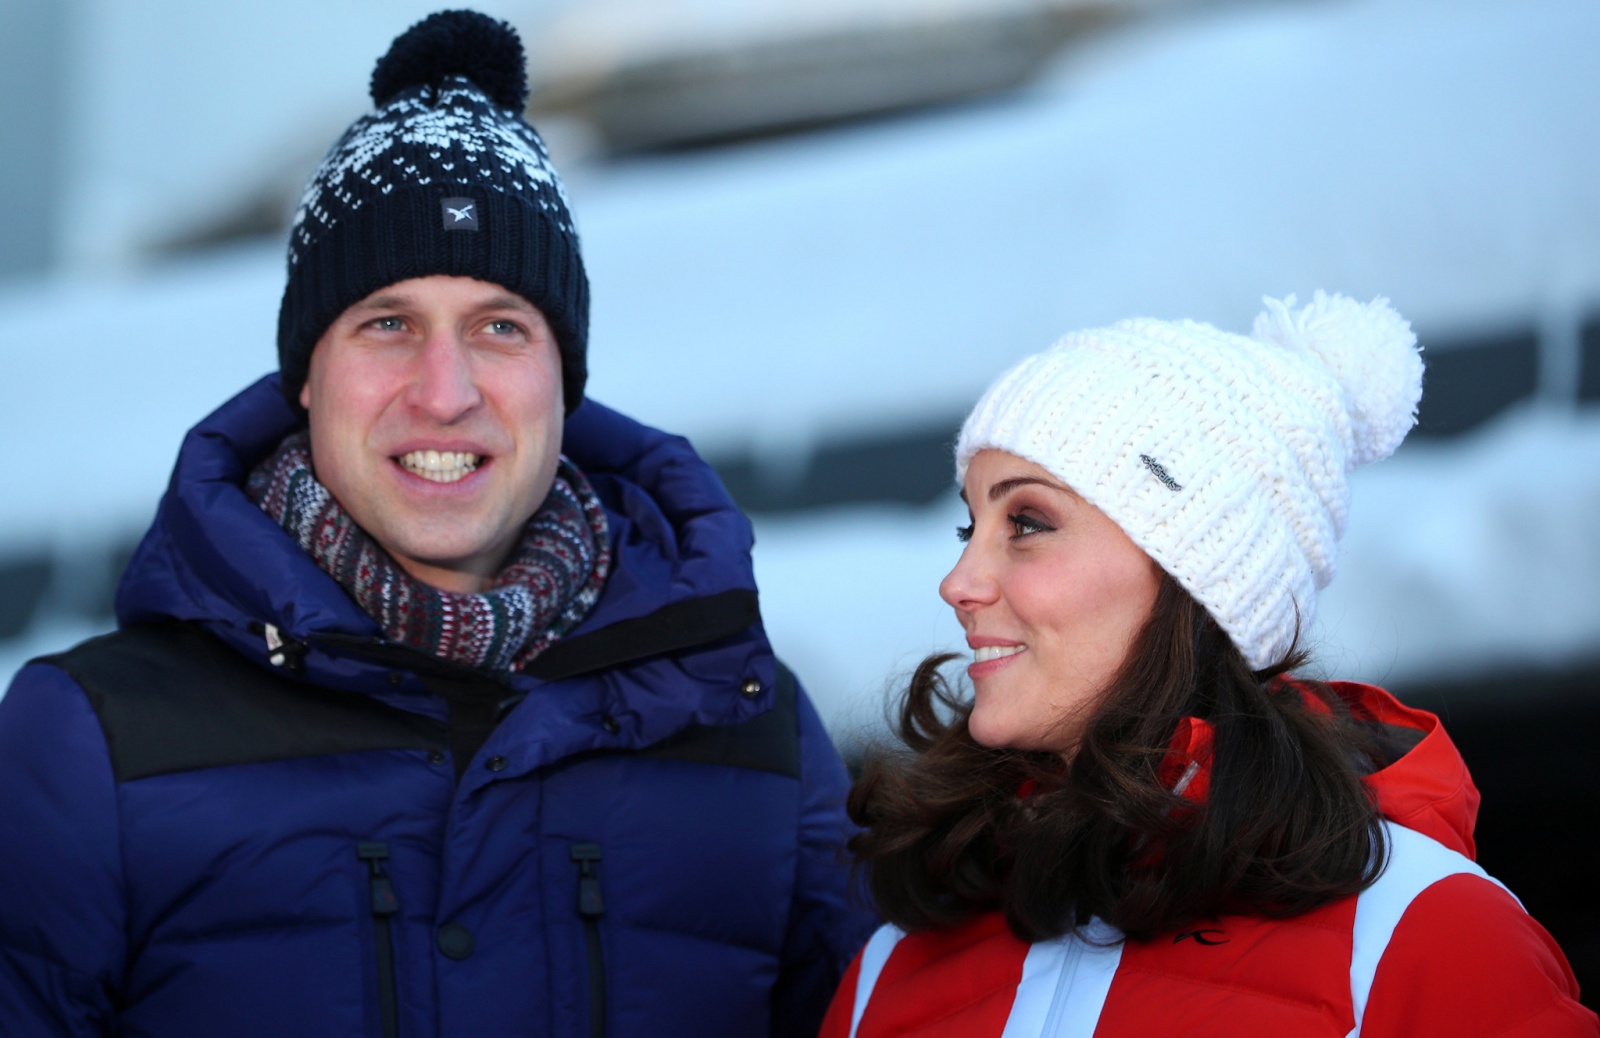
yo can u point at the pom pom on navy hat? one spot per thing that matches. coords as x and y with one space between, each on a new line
455 43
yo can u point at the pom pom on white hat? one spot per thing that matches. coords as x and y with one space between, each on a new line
1225 457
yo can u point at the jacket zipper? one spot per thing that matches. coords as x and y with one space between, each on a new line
1069 971
591 907
384 907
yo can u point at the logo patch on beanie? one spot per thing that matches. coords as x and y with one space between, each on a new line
1160 473
459 214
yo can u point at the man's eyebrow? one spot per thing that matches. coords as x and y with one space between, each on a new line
384 301
401 300
507 301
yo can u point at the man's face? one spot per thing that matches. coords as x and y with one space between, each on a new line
436 413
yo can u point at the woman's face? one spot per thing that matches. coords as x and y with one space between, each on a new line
1051 594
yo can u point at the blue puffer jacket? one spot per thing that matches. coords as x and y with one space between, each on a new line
204 834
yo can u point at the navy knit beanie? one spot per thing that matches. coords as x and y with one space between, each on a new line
445 177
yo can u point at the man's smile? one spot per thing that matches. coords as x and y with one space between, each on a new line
439 466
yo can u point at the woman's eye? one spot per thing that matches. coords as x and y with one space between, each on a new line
1023 525
964 533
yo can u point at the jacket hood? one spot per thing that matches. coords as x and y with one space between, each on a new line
681 573
1426 785
1422 784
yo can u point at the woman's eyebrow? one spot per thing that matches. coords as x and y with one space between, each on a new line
1006 486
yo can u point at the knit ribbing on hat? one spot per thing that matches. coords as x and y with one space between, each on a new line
443 178
1224 457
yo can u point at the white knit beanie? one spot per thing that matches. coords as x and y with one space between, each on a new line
1225 457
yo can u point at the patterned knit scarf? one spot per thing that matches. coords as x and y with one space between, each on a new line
550 583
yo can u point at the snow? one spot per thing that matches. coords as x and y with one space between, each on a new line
873 277
613 33
1440 157
1472 555
181 108
116 371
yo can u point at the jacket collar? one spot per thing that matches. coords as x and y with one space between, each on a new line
681 577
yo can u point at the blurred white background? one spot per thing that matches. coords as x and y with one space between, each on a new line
817 230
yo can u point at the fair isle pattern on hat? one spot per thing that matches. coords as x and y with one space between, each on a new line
451 137
447 128
1224 457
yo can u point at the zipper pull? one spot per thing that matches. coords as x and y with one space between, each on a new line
590 904
274 639
384 906
384 901
283 652
591 907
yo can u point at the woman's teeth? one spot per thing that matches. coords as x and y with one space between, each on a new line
439 466
994 652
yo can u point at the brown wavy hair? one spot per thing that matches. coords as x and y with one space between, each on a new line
1287 825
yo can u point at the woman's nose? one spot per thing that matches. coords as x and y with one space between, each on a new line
970 584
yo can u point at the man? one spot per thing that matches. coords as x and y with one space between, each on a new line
441 702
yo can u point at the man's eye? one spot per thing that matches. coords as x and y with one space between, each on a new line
502 328
1023 525
388 324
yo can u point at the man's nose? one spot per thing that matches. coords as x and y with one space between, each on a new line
445 386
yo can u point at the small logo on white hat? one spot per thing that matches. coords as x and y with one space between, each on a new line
459 214
1155 466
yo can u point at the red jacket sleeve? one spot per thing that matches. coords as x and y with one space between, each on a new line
1465 959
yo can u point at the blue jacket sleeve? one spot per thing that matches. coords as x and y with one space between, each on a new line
829 915
61 908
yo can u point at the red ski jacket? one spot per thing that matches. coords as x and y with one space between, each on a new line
1434 947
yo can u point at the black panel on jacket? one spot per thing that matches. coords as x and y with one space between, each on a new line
681 625
477 704
767 742
172 698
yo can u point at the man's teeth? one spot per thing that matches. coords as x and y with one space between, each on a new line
439 466
994 652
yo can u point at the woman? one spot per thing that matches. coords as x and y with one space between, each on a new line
1140 823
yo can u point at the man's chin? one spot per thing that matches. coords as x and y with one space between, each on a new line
449 560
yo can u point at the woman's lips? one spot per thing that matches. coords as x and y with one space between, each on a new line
987 659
